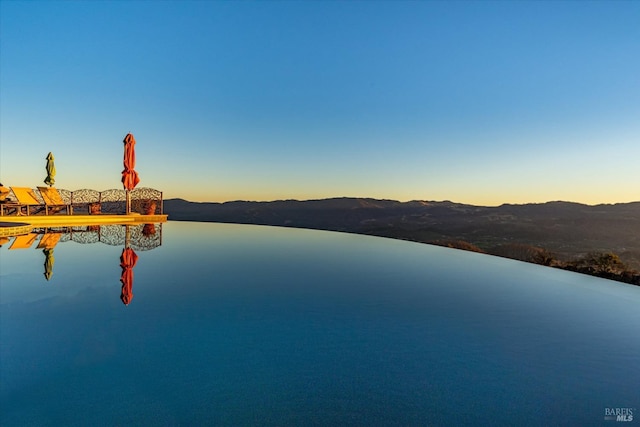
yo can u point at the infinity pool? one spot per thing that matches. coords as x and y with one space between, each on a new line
252 325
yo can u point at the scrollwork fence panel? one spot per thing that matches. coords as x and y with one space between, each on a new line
113 201
66 195
146 201
82 199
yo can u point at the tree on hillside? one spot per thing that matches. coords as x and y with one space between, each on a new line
457 244
601 263
523 252
608 262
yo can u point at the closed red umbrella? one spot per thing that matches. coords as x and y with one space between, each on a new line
128 260
130 177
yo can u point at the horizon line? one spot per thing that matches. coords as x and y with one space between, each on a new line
400 201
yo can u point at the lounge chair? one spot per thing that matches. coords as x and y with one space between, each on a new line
26 198
9 207
53 200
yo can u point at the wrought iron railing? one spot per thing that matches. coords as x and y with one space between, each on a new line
143 200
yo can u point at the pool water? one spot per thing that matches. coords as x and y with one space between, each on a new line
254 325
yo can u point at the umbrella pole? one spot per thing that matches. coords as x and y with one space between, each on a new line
128 208
127 236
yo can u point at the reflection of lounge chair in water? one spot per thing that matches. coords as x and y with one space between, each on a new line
26 198
53 201
23 242
49 240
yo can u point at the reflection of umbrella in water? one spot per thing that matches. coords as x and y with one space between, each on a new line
128 260
130 177
47 243
48 262
51 171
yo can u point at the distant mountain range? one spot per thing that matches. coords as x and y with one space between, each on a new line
566 230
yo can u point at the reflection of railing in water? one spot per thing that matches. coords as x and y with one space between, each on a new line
141 237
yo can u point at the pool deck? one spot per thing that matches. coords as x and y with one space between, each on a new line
17 225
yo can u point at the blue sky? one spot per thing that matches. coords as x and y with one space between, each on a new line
475 102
